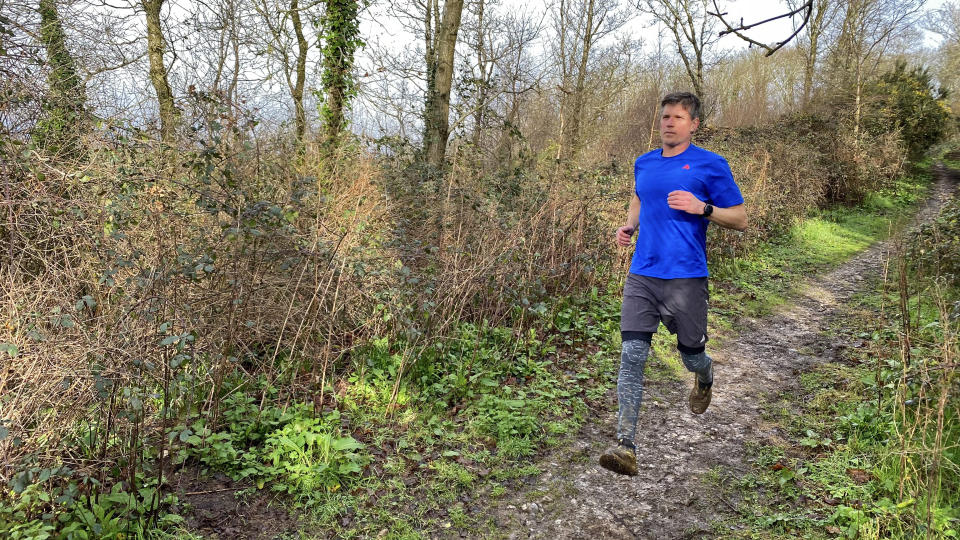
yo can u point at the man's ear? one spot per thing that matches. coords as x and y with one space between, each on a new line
696 124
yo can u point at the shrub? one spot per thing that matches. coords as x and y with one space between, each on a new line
908 103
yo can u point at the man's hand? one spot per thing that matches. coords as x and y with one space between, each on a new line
625 236
685 202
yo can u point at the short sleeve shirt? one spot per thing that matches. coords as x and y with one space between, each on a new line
672 243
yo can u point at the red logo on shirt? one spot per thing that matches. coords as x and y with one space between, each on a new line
686 167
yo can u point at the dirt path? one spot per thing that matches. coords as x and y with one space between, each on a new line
575 498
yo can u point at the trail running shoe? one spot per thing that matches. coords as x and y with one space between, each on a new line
700 395
621 460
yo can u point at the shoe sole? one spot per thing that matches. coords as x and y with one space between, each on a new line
695 410
611 463
694 397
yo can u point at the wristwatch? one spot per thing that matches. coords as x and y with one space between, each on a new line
707 210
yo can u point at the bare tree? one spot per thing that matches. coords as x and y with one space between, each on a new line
945 21
156 45
579 25
693 32
481 29
440 40
20 59
491 72
288 45
218 45
498 70
821 14
815 16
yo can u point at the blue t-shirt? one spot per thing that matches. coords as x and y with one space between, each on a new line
672 243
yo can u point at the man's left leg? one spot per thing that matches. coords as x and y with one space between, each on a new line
695 359
685 314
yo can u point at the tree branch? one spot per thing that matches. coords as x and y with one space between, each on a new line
738 31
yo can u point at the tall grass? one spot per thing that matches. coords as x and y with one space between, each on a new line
924 453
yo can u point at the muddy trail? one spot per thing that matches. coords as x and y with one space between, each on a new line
669 498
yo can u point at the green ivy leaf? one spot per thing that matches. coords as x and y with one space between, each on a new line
10 349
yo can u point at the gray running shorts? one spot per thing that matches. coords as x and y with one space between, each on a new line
681 304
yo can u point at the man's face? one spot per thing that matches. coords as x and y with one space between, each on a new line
676 126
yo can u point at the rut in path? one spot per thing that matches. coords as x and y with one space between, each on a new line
575 498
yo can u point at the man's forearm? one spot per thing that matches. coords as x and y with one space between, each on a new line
633 213
734 217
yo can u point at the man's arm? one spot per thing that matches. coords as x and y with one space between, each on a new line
625 233
734 217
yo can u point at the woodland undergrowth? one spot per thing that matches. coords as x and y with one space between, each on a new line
312 324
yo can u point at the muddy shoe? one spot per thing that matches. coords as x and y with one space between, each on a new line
621 460
700 396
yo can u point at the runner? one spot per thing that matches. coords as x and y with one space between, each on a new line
679 189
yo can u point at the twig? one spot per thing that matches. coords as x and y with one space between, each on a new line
209 491
808 5
729 504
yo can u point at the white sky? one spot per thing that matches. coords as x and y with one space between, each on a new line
757 10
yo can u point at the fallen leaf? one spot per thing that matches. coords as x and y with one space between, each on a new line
859 476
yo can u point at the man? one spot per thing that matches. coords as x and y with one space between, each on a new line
679 190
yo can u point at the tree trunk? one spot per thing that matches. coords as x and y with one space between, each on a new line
63 120
814 30
579 91
437 111
297 91
156 44
482 81
341 39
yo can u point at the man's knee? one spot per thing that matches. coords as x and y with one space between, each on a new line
697 362
628 335
691 351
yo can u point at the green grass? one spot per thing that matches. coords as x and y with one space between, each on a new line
755 284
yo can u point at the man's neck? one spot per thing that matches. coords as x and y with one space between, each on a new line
670 151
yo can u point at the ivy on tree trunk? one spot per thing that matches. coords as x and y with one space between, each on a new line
63 121
341 38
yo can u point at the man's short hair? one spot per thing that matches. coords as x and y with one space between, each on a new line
690 102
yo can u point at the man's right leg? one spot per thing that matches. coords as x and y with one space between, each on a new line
633 359
639 318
